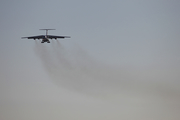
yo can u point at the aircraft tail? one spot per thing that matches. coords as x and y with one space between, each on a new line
47 30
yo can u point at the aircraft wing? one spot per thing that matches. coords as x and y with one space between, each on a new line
35 37
55 37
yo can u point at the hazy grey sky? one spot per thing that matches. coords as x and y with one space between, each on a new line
121 62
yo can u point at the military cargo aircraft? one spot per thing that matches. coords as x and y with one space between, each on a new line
45 38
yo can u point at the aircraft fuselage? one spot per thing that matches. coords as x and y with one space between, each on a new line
45 40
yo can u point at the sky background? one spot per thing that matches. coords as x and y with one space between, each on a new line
121 62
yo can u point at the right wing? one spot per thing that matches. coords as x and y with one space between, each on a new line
55 37
35 37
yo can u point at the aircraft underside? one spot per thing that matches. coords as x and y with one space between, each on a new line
45 40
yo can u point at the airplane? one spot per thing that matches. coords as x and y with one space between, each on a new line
45 38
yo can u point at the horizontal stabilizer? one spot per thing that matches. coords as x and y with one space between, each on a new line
47 29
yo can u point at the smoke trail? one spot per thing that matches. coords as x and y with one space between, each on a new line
140 93
45 56
76 70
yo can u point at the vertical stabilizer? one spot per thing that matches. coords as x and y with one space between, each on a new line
46 30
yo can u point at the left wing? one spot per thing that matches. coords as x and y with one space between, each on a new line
55 37
35 37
